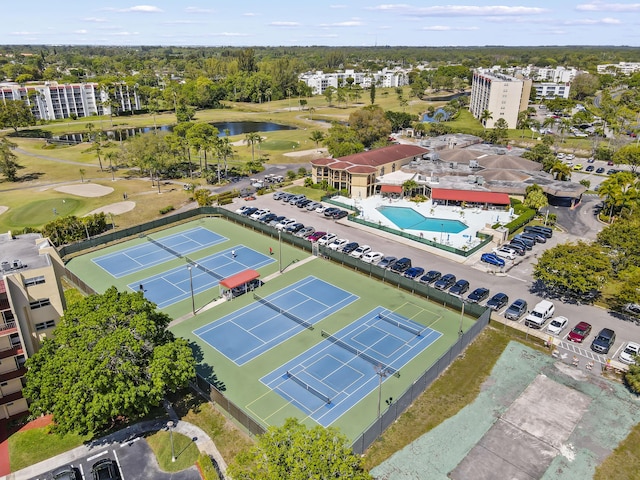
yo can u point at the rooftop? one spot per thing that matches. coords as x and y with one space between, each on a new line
22 248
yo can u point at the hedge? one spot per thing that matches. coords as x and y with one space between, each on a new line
525 216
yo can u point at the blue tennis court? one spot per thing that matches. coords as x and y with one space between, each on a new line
252 330
173 286
157 250
333 376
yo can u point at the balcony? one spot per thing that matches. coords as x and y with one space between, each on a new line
12 397
7 328
11 352
20 372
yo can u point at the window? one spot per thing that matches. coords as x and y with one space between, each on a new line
43 302
29 282
45 325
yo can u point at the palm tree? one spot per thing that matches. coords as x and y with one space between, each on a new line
409 186
561 171
611 192
484 117
523 121
316 136
251 139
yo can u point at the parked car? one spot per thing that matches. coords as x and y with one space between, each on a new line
629 353
294 227
498 301
267 217
328 212
316 236
517 247
577 167
525 244
277 195
611 171
505 252
338 244
285 223
360 251
259 213
296 198
277 220
459 288
312 206
249 211
527 241
321 209
535 236
372 257
339 214
430 277
350 247
414 272
557 325
303 203
445 282
546 231
305 232
327 238
478 295
66 472
603 341
542 312
285 197
590 168
105 469
600 170
242 209
579 332
387 261
516 310
401 265
492 259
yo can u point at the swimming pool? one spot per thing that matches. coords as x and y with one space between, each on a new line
409 219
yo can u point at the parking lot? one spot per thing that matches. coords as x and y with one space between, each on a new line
515 279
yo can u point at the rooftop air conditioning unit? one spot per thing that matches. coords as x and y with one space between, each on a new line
435 180
453 165
471 178
16 264
473 164
480 180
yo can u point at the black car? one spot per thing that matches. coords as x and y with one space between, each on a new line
339 214
516 310
430 277
460 288
250 211
445 282
546 231
611 171
519 241
498 301
267 217
105 469
478 295
402 265
517 247
600 170
330 211
536 237
65 473
527 241
350 247
294 227
590 168
603 341
303 203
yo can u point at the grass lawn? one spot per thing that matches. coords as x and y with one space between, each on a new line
185 450
624 462
38 444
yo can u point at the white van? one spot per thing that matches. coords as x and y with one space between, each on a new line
542 312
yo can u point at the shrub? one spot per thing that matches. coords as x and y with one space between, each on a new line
166 209
205 465
524 217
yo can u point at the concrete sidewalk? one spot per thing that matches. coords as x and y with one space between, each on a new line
201 439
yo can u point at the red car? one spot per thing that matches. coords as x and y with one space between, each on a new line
314 237
579 332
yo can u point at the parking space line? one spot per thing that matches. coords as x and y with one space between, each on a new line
118 463
97 455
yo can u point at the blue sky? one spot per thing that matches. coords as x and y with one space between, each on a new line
334 23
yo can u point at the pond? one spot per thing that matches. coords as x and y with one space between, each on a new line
235 128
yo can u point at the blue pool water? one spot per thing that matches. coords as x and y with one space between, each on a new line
409 219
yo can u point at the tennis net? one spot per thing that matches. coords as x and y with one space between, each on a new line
401 325
309 388
203 268
164 247
359 353
284 312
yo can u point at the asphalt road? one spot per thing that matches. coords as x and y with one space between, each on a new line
517 283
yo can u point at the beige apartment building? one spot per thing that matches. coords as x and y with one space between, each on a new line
502 95
31 304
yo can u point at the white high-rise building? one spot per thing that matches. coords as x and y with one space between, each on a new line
503 96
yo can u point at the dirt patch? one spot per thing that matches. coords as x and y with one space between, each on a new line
85 190
115 208
3 209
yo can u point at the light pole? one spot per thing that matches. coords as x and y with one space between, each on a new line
170 425
461 317
193 302
280 248
382 373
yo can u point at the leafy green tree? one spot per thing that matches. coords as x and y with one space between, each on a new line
15 114
575 270
369 124
329 92
501 128
202 137
628 155
584 85
8 165
535 197
111 357
296 452
372 93
203 197
342 141
621 240
632 377
485 116
561 171
409 186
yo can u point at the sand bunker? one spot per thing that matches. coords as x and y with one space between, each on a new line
115 208
85 190
316 152
3 209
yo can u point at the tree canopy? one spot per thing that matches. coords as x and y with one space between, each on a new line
111 358
295 452
15 114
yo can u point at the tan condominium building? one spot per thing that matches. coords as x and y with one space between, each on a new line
31 304
503 96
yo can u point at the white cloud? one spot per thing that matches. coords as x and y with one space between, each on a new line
81 32
284 24
461 10
136 9
250 14
591 21
23 33
446 28
124 34
337 6
198 10
95 19
608 7
348 23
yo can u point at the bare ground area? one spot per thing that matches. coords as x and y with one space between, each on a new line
315 152
85 190
115 208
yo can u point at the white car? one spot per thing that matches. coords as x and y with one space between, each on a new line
629 353
557 325
338 243
570 156
243 208
360 251
372 257
285 223
321 209
327 238
258 213
505 252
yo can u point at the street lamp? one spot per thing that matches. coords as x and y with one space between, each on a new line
382 373
461 317
280 248
170 425
193 302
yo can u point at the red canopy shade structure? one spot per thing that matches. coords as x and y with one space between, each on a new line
391 188
239 279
